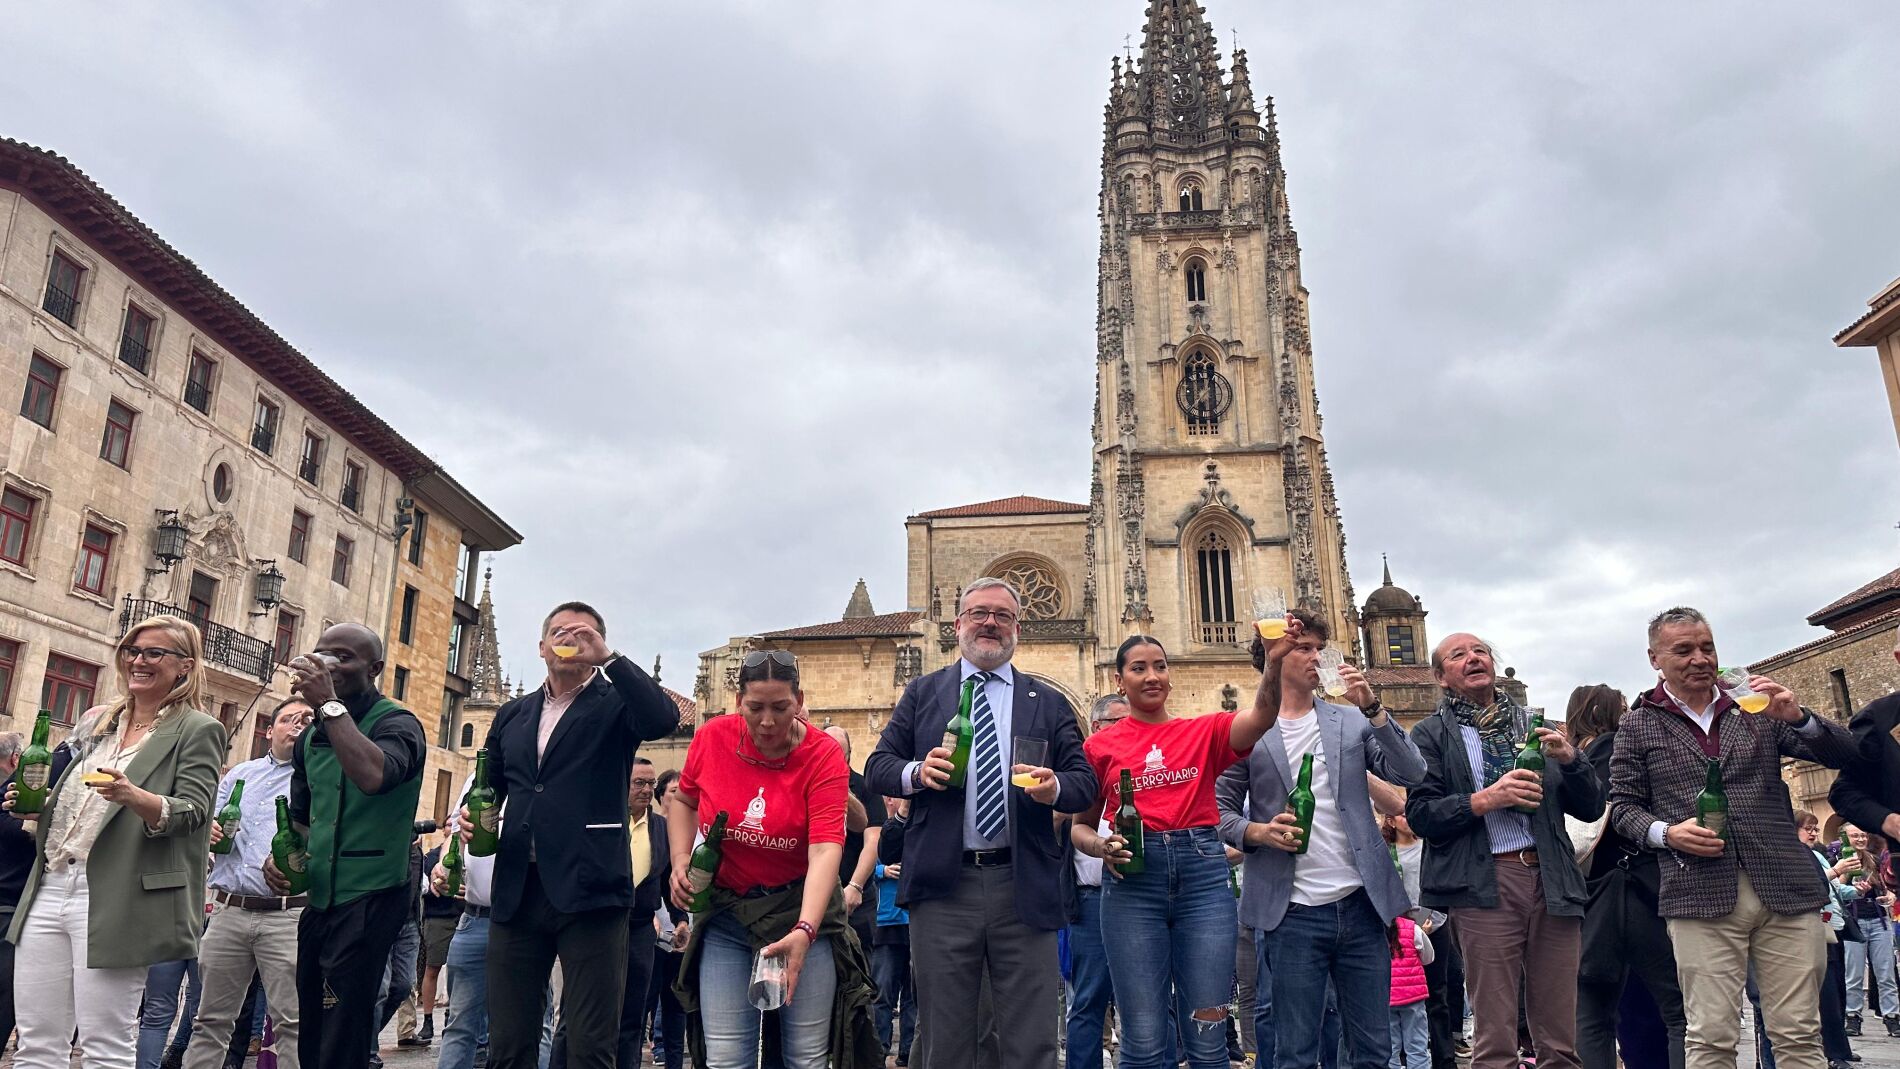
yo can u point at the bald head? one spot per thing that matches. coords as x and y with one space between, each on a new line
1463 664
843 737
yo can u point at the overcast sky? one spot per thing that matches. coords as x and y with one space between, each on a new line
706 298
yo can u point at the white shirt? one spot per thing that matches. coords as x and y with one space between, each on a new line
1088 870
1325 873
478 873
1000 692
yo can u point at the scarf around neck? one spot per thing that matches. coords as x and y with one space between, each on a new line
1496 725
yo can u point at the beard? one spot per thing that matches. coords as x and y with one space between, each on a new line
986 659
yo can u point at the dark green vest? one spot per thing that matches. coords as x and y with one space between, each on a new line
359 842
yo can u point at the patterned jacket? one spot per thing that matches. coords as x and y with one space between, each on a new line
1659 767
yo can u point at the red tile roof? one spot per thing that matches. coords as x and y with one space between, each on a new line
55 184
1875 307
1884 620
1413 675
886 625
689 709
1005 506
1885 587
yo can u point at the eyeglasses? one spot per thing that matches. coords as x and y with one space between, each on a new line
783 658
645 783
984 616
154 654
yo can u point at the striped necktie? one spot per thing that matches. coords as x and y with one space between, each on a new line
992 798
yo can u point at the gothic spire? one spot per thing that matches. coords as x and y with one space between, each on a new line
1388 568
485 679
1240 91
1180 65
859 606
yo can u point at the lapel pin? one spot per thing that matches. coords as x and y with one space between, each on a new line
1032 694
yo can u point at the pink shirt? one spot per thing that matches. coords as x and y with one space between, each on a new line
552 707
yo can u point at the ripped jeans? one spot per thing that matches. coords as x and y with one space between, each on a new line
1170 931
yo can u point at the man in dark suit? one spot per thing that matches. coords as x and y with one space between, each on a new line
562 758
982 865
1868 791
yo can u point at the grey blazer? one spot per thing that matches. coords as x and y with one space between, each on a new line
1255 789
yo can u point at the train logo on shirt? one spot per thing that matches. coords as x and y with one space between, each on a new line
1156 763
1155 772
755 813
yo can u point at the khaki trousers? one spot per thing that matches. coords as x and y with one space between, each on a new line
238 943
1519 946
1712 956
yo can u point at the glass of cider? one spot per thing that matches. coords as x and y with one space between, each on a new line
1269 613
1734 683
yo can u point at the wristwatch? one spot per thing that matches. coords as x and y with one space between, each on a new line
333 709
917 778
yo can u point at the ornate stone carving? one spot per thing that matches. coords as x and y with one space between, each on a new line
1213 495
1164 259
1040 592
910 665
1125 400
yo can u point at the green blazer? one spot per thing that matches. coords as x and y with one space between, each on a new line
147 888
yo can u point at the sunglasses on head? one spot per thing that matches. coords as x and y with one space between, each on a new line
783 658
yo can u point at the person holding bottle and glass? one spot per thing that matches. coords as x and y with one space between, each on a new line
1168 929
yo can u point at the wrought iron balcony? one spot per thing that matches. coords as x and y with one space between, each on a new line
263 438
198 396
352 497
134 353
308 469
1219 633
63 306
224 646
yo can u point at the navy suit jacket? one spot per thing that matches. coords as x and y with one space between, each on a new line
933 840
571 803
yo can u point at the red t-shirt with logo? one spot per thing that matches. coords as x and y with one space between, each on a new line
1174 763
772 814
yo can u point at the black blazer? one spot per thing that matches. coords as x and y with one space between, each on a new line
933 841
1868 789
571 804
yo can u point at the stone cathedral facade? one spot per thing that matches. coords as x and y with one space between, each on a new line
1208 476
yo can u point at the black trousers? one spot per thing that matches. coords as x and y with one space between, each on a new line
340 957
1445 1005
6 985
592 947
633 1004
1834 1041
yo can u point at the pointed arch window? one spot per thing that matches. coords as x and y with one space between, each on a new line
1214 588
1190 196
1195 274
1205 394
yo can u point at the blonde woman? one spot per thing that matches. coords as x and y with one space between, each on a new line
118 882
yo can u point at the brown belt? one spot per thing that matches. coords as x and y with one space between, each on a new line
261 905
1526 857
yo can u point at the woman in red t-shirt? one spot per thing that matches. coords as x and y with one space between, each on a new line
1170 928
781 784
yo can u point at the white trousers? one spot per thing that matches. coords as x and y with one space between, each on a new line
54 991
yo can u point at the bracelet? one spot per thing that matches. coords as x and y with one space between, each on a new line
810 932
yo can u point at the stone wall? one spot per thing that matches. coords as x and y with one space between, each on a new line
1864 658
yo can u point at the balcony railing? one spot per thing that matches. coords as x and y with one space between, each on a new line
1214 633
198 396
308 469
63 306
134 353
263 438
224 646
352 497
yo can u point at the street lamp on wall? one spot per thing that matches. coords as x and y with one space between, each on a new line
168 541
405 516
270 588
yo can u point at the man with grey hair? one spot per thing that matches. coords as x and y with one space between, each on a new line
16 862
1746 891
981 861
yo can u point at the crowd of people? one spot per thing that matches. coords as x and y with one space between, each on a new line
1299 882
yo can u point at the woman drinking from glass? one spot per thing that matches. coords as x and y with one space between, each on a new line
775 898
118 883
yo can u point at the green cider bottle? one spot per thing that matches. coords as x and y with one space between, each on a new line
229 819
484 812
1128 825
452 866
1711 806
289 851
1531 757
36 769
959 733
705 863
1848 853
1301 803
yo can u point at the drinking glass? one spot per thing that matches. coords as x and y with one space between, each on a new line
767 990
1734 683
1330 677
564 645
1031 752
1269 613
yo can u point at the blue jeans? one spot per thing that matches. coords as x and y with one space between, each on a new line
399 975
890 971
466 1023
1879 950
162 982
1265 1036
1171 928
1344 940
1089 990
1411 1036
730 1020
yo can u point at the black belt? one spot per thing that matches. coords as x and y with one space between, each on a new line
764 892
476 911
987 859
260 905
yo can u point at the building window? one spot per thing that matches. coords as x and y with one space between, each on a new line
264 427
284 647
416 536
9 660
464 560
68 688
401 686
1196 274
198 381
468 735
115 445
95 559
42 390
340 563
135 339
455 647
1214 564
202 599
1037 589
1837 679
221 483
299 535
310 467
407 632
451 710
16 525
352 495
1400 644
62 289
260 735
1205 395
1190 196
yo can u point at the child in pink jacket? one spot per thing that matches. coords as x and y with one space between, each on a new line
1411 1037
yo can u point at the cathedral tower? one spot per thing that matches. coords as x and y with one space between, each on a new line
1209 478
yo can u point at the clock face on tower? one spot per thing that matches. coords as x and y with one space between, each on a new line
1204 395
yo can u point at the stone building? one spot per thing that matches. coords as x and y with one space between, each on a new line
1208 478
169 452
